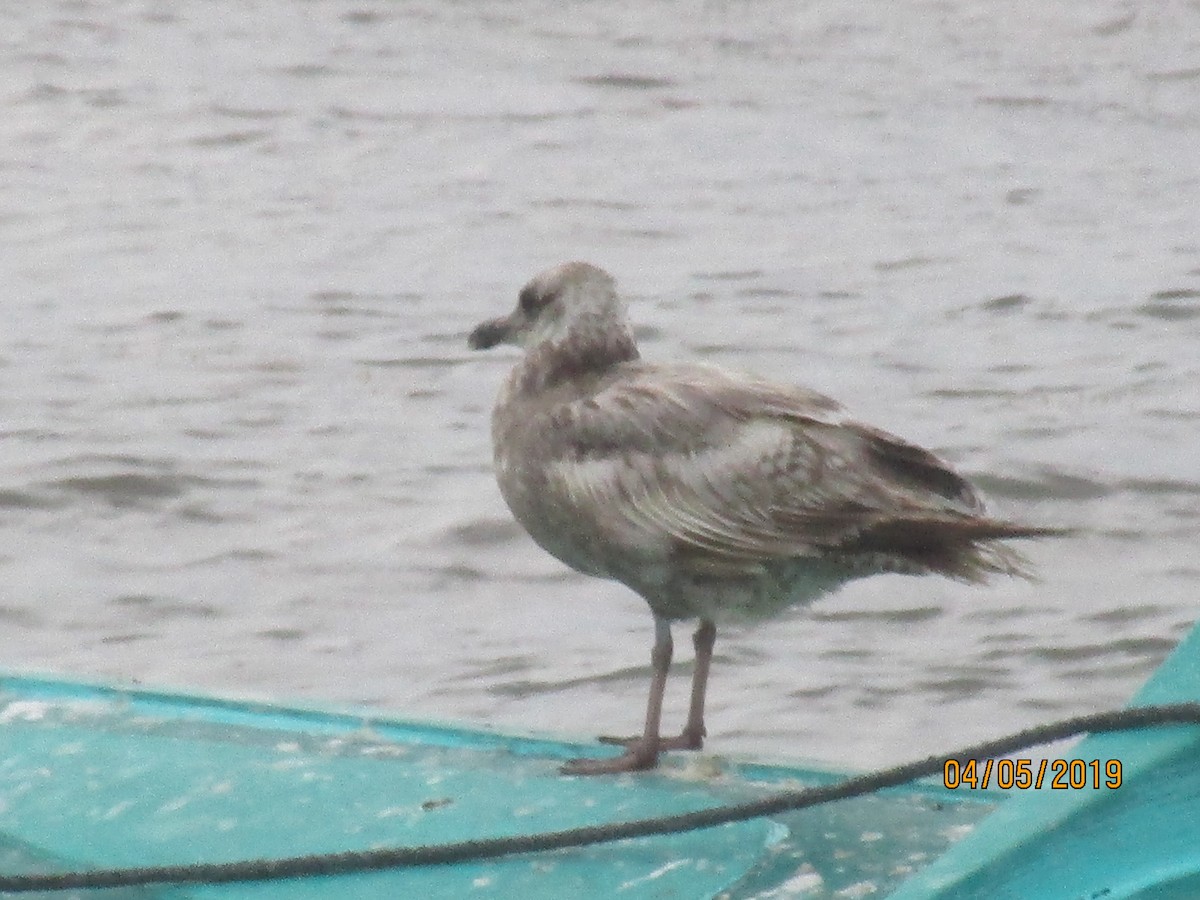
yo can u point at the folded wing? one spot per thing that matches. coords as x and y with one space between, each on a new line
694 462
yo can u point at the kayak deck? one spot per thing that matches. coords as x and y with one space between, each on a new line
97 776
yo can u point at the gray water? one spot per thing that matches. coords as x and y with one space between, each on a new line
243 447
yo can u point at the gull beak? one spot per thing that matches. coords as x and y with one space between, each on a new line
490 333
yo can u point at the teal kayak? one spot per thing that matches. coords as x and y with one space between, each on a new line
96 776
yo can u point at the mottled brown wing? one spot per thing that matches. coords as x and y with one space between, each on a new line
697 460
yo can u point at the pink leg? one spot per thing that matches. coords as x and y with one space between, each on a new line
694 732
692 737
640 753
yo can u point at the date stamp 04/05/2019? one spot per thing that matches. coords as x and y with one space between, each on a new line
1024 774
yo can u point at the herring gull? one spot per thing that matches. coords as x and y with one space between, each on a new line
714 495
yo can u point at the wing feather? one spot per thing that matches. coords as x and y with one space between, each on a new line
693 460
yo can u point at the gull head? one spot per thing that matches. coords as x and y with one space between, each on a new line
570 302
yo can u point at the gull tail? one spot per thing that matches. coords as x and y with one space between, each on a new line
963 548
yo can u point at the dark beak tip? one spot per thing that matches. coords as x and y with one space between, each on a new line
486 335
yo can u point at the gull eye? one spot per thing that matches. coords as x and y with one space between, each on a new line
534 300
529 300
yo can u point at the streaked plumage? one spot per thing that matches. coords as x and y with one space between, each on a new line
714 495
